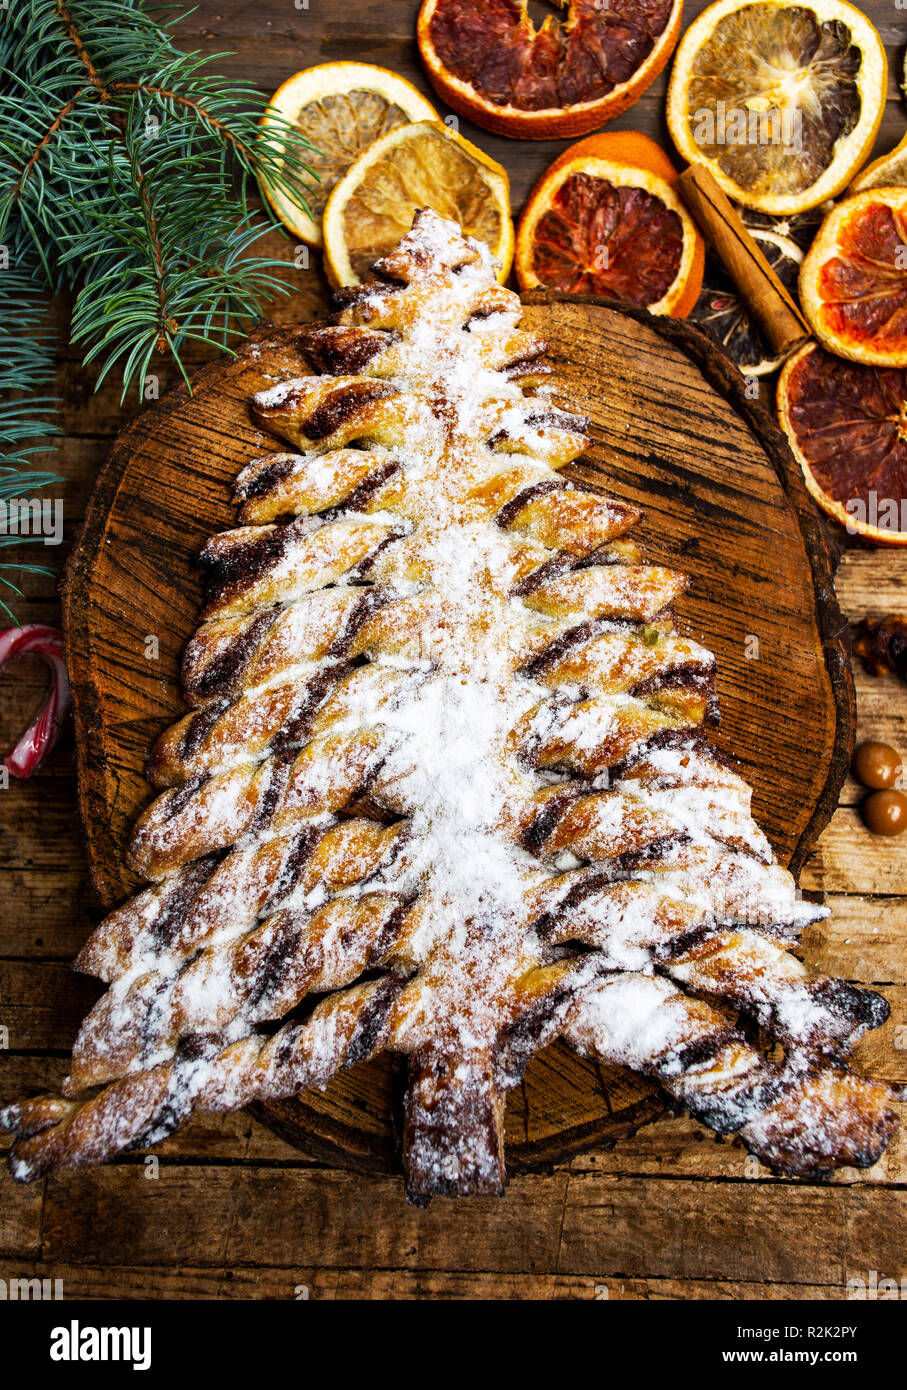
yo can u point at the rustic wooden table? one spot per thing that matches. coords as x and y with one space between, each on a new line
234 1212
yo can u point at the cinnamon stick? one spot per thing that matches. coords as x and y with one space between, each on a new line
770 304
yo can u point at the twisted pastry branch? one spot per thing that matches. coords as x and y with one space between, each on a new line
799 1120
209 1073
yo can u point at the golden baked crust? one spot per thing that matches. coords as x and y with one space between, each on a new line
445 767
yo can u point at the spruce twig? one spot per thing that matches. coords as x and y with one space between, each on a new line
127 171
26 366
113 148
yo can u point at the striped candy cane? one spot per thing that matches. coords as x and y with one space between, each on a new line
41 735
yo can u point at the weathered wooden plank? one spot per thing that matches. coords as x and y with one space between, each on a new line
848 859
46 913
84 1281
39 588
39 825
882 702
42 1003
582 1223
21 1074
863 938
872 582
209 1216
20 1218
787 1234
77 460
883 1052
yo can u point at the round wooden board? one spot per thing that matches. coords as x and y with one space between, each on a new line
672 429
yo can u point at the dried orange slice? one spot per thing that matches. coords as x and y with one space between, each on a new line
489 62
853 281
417 166
781 101
888 172
605 219
342 108
847 426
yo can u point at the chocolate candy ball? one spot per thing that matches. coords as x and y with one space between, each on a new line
885 812
877 764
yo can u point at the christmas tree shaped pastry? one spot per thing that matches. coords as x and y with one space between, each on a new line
445 787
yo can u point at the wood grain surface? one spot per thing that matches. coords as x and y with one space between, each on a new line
232 1210
671 431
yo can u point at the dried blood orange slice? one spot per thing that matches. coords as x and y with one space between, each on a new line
853 281
605 219
847 426
489 62
781 101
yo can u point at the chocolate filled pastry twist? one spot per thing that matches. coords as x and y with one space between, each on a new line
444 787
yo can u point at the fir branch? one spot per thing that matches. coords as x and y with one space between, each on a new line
27 363
126 175
26 366
112 162
72 33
